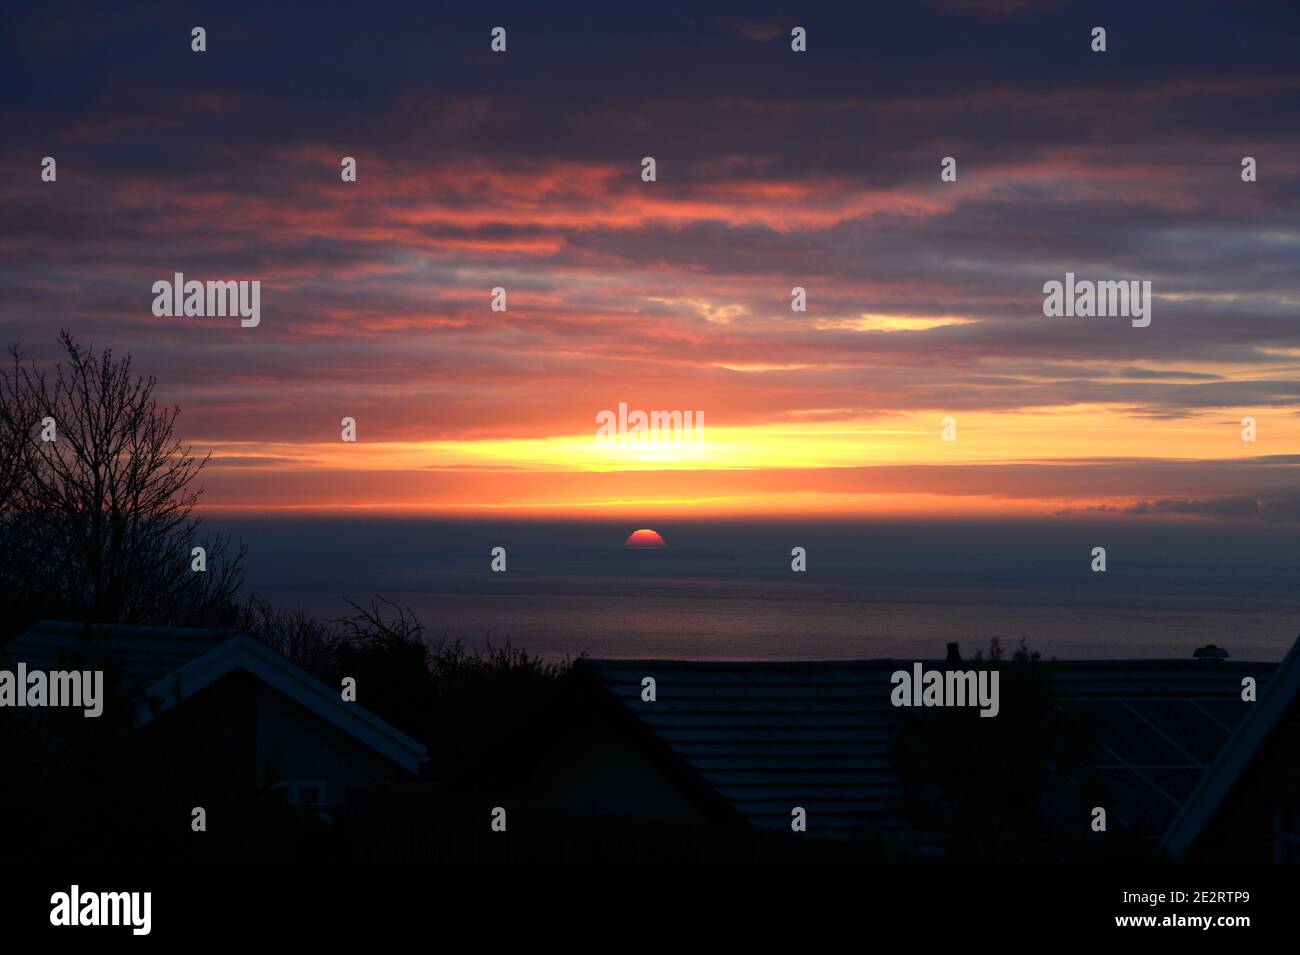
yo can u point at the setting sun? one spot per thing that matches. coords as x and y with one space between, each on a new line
645 539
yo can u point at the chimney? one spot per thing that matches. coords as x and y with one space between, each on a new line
1210 652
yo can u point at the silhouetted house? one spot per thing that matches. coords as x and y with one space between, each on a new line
1172 751
242 702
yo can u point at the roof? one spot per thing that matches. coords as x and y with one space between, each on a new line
770 736
171 664
1250 734
145 654
242 652
1157 728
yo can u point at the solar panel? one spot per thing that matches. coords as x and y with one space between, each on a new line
769 736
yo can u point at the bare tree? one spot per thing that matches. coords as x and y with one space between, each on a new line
103 512
19 421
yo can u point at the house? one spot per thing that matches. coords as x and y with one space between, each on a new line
1173 751
241 701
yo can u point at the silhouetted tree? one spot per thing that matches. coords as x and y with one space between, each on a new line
997 790
97 523
17 420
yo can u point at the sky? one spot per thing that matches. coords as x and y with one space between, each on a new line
774 169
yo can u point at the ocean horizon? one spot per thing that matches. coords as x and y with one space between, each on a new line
726 591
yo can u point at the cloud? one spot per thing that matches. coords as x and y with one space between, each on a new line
1271 510
775 171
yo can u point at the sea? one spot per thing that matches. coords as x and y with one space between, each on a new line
726 590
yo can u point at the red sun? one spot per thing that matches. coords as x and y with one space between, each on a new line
645 539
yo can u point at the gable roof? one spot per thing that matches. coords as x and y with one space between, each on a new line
242 652
770 736
144 654
1251 732
171 664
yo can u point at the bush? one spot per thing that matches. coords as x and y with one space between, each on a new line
459 701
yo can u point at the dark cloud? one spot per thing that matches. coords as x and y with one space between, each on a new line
818 170
1272 510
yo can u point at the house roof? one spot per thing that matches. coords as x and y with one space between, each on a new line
145 654
1157 729
242 652
171 664
770 736
1251 732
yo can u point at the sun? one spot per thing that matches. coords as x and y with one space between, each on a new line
645 539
